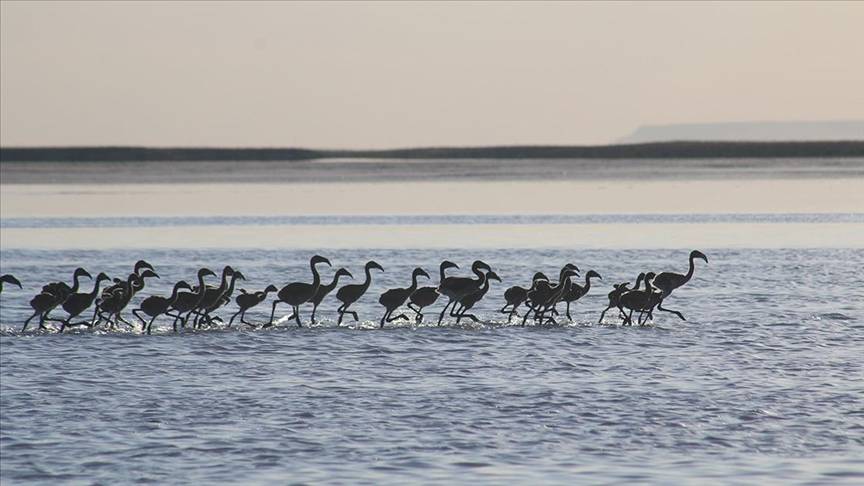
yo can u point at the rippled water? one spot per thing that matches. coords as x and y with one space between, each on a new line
763 382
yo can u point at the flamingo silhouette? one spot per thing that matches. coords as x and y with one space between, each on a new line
246 301
667 282
393 298
298 293
352 293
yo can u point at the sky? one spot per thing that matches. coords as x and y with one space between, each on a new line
374 75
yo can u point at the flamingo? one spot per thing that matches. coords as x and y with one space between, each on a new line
613 296
639 300
352 293
186 302
577 291
298 293
467 302
246 301
324 290
457 287
516 296
77 303
426 296
393 298
52 295
156 305
667 282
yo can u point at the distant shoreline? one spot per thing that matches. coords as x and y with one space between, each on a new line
658 150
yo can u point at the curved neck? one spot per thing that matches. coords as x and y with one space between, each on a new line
231 285
129 282
478 271
562 278
368 281
335 281
174 294
587 283
441 276
201 287
485 287
136 284
690 270
638 282
75 284
316 278
224 283
413 286
96 288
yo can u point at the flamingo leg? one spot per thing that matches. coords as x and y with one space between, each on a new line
418 316
603 314
527 313
341 312
272 313
297 315
441 317
28 321
470 316
95 315
513 313
150 325
124 321
660 307
231 321
135 312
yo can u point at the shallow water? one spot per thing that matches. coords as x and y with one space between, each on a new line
762 383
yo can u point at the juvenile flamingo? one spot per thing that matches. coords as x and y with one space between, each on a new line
577 291
324 290
639 300
77 303
246 301
298 293
467 302
156 305
426 296
457 287
667 282
393 298
516 296
52 295
186 302
613 296
352 293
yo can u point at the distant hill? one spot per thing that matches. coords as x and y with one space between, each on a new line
750 131
664 150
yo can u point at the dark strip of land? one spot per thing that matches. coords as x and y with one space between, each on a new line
661 150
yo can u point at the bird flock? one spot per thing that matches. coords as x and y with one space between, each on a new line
194 306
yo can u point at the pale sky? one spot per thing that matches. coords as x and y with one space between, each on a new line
412 74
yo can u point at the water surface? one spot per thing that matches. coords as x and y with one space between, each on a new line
762 383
